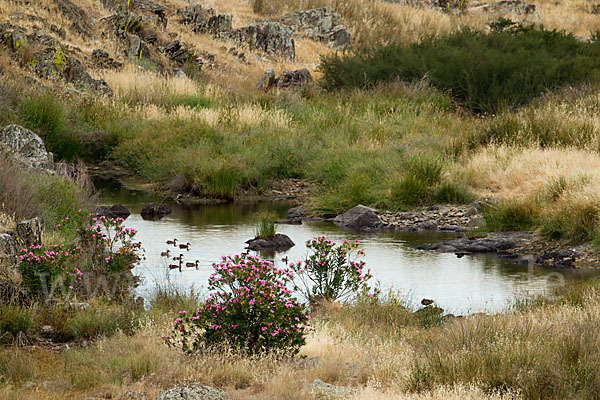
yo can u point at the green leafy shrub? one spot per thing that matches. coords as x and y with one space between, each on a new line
330 273
486 72
250 308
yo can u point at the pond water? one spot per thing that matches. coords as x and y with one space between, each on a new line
458 285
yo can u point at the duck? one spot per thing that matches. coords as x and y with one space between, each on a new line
165 253
185 246
192 265
175 266
180 258
173 242
285 259
427 302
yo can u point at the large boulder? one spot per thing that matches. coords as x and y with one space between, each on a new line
320 24
271 38
280 242
9 249
153 12
25 148
193 391
29 232
287 79
360 218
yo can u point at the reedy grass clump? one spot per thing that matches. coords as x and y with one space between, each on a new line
265 228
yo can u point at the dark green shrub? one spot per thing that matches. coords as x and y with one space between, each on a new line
411 191
486 72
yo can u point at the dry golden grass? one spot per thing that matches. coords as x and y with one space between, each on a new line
509 173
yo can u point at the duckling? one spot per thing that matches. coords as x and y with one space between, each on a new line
174 266
180 258
192 265
165 253
173 242
427 302
185 246
285 259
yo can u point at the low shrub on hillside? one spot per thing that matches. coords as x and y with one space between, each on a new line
486 72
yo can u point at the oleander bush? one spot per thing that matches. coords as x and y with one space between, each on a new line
250 308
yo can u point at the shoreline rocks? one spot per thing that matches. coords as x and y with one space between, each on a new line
435 218
155 211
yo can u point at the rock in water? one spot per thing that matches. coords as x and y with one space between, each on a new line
117 210
26 148
153 210
279 243
193 391
360 218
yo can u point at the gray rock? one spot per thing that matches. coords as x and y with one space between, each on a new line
102 60
359 217
320 24
26 148
557 259
153 210
267 81
506 7
322 390
296 212
292 79
272 38
50 59
75 14
467 246
114 211
204 20
29 232
193 391
279 243
46 332
9 249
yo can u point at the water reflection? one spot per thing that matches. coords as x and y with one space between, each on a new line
459 285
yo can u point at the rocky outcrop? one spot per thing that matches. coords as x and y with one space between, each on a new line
271 38
152 211
80 22
280 242
507 7
102 60
193 391
50 59
25 148
29 232
320 24
204 20
288 79
359 218
153 12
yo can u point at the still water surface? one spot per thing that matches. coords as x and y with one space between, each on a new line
459 285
